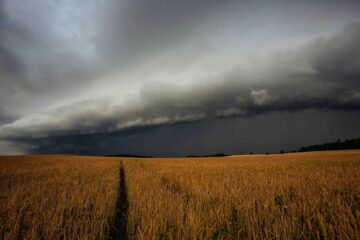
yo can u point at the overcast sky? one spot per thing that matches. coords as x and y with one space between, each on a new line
179 77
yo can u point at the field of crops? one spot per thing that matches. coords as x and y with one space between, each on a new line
281 196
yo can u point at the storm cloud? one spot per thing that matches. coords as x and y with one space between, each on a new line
122 67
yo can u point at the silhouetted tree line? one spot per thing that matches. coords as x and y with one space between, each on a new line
338 145
128 155
213 155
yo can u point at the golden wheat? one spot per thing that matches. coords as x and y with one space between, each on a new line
56 197
291 196
281 196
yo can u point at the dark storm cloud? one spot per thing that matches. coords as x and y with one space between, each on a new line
52 51
10 66
5 117
37 65
135 30
288 131
321 75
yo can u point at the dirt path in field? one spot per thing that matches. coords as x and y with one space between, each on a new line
120 222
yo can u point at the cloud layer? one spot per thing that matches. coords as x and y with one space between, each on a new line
79 68
323 74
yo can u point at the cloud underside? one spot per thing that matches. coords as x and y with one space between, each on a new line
323 74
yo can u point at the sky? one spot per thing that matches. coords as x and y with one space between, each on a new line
179 77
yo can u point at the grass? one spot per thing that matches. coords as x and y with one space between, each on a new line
56 197
314 195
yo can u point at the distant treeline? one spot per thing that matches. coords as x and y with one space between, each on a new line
128 155
213 155
338 145
142 156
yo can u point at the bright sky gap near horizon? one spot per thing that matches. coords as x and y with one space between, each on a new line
175 78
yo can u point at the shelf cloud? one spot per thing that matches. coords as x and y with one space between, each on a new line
123 67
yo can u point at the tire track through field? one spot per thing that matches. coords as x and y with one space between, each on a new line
119 224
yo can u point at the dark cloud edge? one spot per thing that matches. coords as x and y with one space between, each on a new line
331 84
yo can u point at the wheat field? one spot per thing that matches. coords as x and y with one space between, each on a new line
313 195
